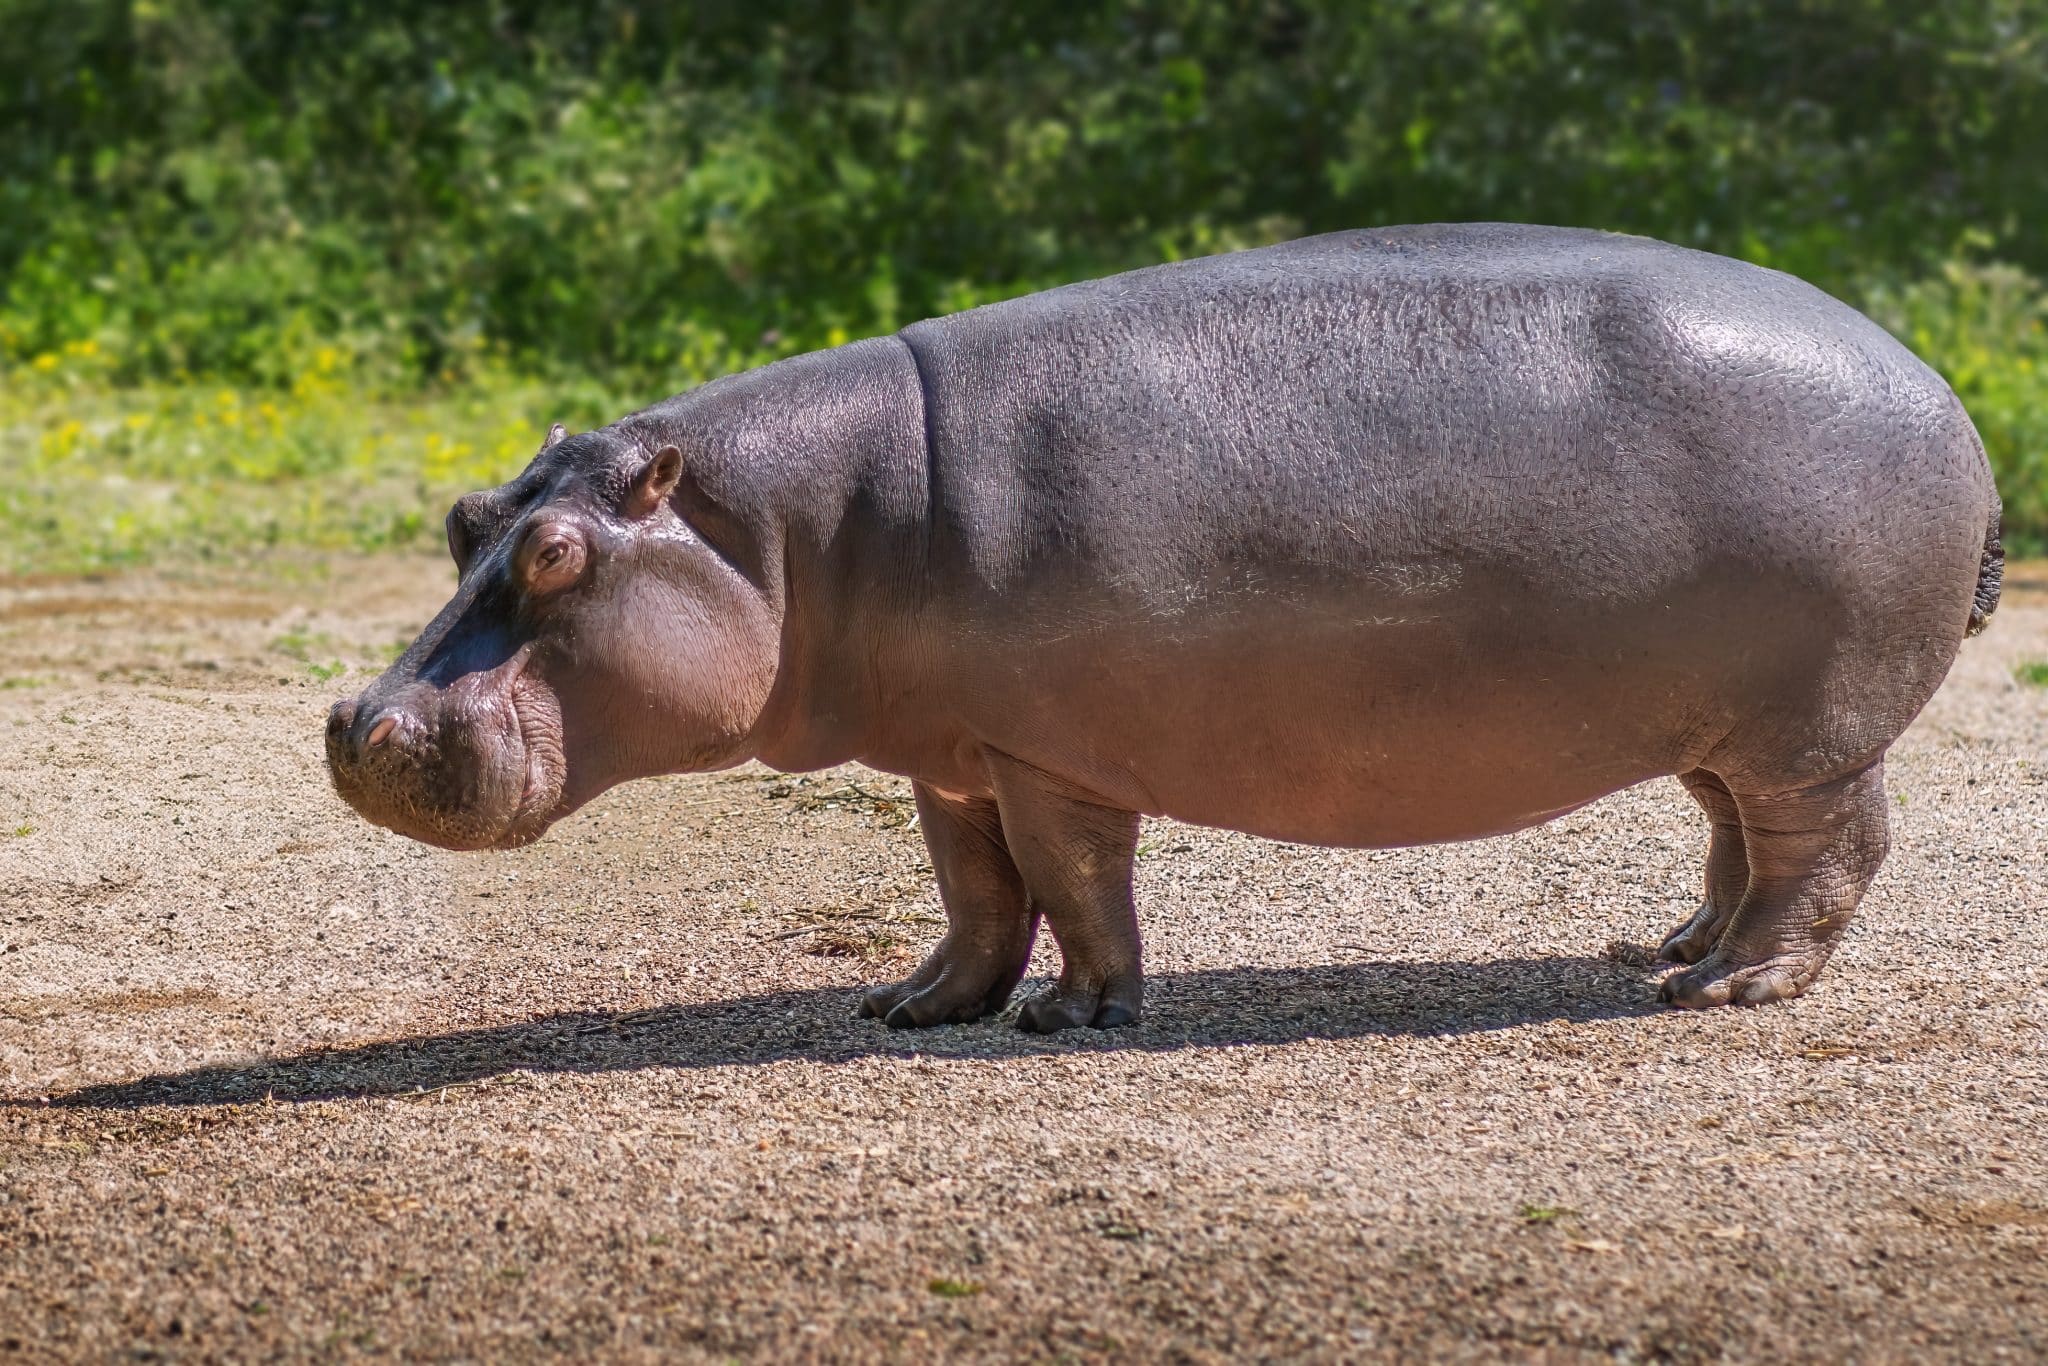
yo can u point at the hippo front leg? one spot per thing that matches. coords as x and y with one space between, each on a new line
989 923
1075 858
1727 872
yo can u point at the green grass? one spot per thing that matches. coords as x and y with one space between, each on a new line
299 643
94 476
946 1288
2032 672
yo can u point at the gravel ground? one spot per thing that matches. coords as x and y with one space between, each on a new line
280 1084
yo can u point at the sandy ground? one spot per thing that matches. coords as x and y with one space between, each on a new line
280 1084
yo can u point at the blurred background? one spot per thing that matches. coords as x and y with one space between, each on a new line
292 274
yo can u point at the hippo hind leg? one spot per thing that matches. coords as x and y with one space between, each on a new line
1812 852
1727 872
989 923
1075 857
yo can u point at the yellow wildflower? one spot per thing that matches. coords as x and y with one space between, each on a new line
64 441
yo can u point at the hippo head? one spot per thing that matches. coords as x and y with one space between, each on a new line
596 635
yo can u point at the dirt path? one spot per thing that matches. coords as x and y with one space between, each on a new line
279 1083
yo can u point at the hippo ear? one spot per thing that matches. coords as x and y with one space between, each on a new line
555 436
666 481
656 480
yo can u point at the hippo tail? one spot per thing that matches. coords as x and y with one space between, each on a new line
1991 560
1990 571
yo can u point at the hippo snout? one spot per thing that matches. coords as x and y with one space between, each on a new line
463 767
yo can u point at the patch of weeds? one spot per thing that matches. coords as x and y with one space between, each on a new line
326 672
301 644
1541 1214
1820 1050
24 830
808 795
869 933
946 1288
24 681
868 945
1120 1231
1630 955
67 718
2032 672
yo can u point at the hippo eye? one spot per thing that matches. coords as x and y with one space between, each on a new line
552 558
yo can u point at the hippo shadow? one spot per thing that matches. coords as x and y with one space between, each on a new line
1211 1008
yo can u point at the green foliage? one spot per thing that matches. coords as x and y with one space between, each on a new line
679 190
1986 330
2032 672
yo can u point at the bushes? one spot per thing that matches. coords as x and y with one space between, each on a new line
1986 329
620 188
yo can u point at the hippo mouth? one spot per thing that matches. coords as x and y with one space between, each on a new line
538 719
475 765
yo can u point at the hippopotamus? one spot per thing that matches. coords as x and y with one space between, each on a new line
1384 537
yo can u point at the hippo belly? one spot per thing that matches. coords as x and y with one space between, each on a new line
1381 728
1364 715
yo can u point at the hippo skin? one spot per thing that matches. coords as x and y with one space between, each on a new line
1377 538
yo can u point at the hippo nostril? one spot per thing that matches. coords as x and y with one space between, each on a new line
381 732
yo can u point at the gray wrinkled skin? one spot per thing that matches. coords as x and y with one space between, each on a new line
1384 537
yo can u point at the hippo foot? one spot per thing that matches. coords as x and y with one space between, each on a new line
910 1005
1695 939
1070 1005
941 992
1718 980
